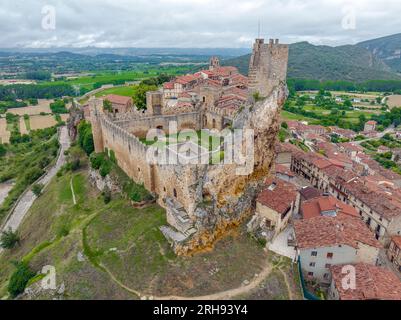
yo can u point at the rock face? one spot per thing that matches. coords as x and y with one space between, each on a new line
76 116
223 197
96 180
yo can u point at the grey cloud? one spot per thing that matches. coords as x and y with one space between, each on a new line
192 23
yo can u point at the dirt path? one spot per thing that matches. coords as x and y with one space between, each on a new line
287 283
223 295
74 200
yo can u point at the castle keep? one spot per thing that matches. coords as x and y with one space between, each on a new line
202 200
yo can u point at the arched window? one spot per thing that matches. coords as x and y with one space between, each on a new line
175 193
214 123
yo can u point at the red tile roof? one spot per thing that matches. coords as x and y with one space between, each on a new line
322 231
310 192
168 85
372 283
278 195
115 99
284 170
315 207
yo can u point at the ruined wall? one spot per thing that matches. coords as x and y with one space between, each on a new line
140 126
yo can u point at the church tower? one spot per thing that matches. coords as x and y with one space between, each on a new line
214 63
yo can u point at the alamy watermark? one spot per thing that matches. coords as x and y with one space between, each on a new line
348 282
49 18
349 18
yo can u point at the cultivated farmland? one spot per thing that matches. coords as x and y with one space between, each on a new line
43 106
42 122
394 101
4 134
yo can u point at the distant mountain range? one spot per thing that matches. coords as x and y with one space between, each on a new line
377 59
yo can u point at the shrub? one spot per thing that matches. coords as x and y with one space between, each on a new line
9 239
85 137
37 189
19 279
3 150
106 195
96 160
105 168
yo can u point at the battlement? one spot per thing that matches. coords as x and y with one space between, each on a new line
268 66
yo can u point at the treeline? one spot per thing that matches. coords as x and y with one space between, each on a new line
35 91
38 75
393 86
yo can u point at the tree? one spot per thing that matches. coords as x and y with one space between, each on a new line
9 239
19 279
284 125
3 150
37 189
107 106
140 95
85 137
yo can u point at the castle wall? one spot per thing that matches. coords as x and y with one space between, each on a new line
167 181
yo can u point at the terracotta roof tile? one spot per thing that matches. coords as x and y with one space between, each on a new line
372 283
324 231
278 195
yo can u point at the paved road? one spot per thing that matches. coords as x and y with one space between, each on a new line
389 130
27 200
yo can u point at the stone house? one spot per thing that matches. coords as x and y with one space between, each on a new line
370 126
322 242
275 206
371 283
120 104
394 252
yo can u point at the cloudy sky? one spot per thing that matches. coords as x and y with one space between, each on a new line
192 23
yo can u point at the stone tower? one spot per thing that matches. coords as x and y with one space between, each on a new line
268 66
95 109
214 63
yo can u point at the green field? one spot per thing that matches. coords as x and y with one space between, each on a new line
285 115
351 116
127 91
88 82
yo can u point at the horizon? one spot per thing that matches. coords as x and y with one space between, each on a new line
249 48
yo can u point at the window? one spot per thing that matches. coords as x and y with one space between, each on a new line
326 276
310 274
312 264
330 255
314 254
175 193
327 266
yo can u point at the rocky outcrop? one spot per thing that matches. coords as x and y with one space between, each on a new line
102 184
224 198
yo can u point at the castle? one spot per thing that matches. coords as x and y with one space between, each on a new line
202 200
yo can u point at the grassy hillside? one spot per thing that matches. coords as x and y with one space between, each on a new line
113 251
351 63
387 48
